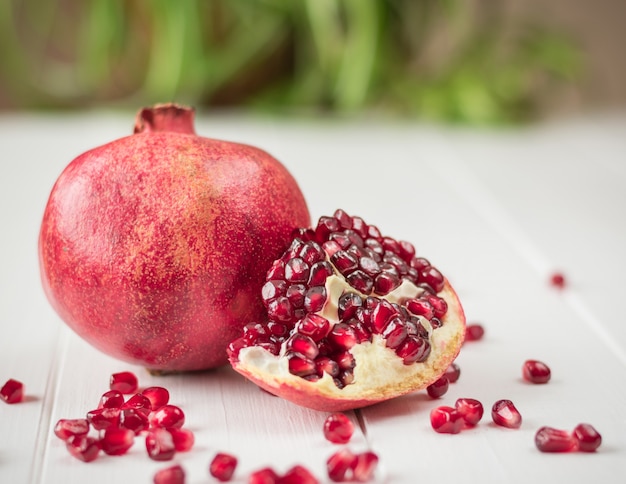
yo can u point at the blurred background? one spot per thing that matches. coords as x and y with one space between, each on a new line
472 62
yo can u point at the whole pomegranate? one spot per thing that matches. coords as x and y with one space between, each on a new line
154 247
355 318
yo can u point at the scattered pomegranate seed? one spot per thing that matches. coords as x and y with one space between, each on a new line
104 418
298 475
340 465
535 371
83 447
470 409
160 444
111 399
474 332
168 416
588 437
117 440
446 420
134 419
438 388
170 475
263 476
453 373
223 466
506 415
12 391
338 428
557 280
138 402
66 428
365 466
158 397
548 439
124 382
183 439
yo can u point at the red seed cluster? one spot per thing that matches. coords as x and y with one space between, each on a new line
466 412
344 466
296 475
373 266
584 438
115 423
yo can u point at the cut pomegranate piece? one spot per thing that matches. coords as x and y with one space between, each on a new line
12 391
364 467
168 416
183 439
263 476
474 332
438 388
298 475
338 428
470 409
124 382
375 321
83 447
453 373
548 439
223 467
587 437
66 428
111 399
340 465
160 444
170 475
506 415
535 371
117 440
446 420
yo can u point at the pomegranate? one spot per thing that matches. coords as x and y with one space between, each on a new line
12 391
354 318
154 247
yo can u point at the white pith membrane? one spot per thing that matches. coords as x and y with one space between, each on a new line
379 372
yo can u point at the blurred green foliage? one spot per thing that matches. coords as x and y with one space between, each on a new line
434 59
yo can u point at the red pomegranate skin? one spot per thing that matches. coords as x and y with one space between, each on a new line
154 247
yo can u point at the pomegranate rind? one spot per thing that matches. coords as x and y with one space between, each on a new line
379 374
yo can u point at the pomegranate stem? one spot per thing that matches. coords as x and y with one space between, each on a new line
167 117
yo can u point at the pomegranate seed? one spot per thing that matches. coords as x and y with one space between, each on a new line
298 475
587 437
104 418
124 382
183 439
340 465
12 391
342 336
320 271
312 253
506 415
395 333
453 373
474 332
117 440
66 428
168 416
381 315
558 280
343 218
360 281
302 344
324 364
158 397
446 420
138 402
338 428
170 475
385 283
470 409
83 448
134 419
300 365
160 444
314 299
348 305
223 467
280 309
548 439
438 388
413 349
314 326
111 399
439 305
277 270
535 371
420 307
263 476
433 278
296 270
365 466
420 263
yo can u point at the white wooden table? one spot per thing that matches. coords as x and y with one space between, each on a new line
497 211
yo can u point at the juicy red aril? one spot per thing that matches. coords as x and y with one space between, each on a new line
124 382
470 409
160 444
342 336
263 476
117 440
138 402
12 391
453 373
420 307
314 326
535 371
446 420
365 466
158 397
324 364
320 271
548 439
557 280
134 419
587 437
183 439
338 428
66 428
170 475
111 399
103 418
314 299
432 277
438 388
298 475
395 332
474 332
168 416
506 415
296 270
413 349
339 465
223 466
83 448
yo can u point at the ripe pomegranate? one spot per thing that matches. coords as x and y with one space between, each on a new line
154 247
355 318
